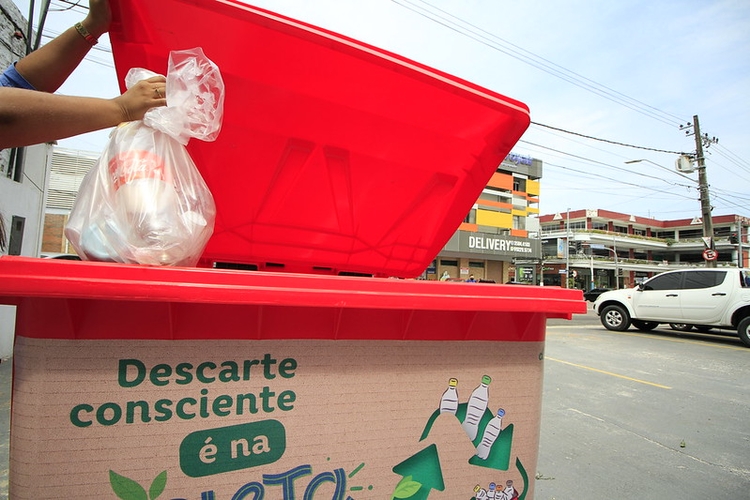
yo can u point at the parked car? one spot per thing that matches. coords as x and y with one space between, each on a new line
685 299
592 294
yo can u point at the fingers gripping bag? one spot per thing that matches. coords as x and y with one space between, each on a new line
145 202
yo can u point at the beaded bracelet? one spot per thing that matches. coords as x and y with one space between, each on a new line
85 34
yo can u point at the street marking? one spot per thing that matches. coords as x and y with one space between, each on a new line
586 414
706 341
666 335
608 373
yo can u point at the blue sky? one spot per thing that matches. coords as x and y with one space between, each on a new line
656 63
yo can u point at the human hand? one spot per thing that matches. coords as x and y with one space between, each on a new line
98 19
141 97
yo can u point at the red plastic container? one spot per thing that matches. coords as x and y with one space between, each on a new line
201 383
335 156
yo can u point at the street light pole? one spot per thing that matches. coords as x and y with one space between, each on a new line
617 265
740 262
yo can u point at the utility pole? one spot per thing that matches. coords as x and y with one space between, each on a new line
708 227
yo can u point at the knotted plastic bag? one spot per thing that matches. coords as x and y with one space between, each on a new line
145 202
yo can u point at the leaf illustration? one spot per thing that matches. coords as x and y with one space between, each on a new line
125 488
406 488
157 486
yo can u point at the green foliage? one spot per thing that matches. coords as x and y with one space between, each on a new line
406 488
127 489
157 486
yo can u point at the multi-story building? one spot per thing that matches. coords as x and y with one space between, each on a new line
499 238
68 168
499 235
614 250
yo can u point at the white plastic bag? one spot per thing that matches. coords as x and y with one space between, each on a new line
145 202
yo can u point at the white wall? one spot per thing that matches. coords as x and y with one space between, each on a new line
24 199
7 330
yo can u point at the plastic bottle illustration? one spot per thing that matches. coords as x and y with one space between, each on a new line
480 493
476 407
491 491
449 401
491 432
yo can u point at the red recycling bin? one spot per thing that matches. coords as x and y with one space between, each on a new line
335 157
217 384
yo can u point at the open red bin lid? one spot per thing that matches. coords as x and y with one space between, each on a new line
334 156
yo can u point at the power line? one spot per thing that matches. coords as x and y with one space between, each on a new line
465 28
501 45
601 163
607 140
731 157
639 186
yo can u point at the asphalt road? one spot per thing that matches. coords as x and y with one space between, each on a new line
660 415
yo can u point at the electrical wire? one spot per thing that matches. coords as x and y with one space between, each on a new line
465 28
70 6
603 164
454 23
732 158
607 140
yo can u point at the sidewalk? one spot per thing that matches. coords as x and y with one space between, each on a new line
6 374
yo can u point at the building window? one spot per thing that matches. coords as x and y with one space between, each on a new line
476 264
492 197
15 241
579 224
444 262
471 217
621 229
600 226
691 233
665 235
14 170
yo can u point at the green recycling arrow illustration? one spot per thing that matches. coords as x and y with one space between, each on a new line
421 473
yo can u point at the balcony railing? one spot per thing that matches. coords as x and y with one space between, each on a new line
610 235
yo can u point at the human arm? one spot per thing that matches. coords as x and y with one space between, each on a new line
49 66
31 117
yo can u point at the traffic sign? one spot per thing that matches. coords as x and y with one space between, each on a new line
709 254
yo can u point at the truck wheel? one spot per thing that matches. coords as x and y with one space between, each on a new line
681 327
644 326
615 318
743 330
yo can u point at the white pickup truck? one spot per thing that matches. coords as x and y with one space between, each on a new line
703 299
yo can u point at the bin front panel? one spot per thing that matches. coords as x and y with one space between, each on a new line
284 419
